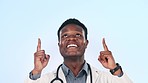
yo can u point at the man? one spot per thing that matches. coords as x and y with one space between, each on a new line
72 37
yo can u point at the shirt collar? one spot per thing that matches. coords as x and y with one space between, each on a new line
66 70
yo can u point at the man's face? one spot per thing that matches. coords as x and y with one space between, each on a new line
72 42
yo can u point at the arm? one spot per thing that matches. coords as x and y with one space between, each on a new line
107 60
40 59
40 62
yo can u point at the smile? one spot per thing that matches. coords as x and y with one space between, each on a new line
72 45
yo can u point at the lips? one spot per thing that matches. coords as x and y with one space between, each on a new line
72 45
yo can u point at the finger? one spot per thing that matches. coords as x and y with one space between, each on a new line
102 58
41 52
99 58
39 45
104 45
106 52
47 57
105 55
102 61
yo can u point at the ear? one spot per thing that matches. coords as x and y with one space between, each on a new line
58 44
86 43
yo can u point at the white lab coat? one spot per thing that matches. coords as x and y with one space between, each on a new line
97 77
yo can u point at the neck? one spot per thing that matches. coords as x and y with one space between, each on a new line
75 65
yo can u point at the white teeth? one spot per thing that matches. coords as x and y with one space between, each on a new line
72 45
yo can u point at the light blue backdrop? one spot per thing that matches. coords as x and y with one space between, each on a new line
123 23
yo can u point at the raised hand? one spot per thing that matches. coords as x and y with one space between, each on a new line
40 59
106 58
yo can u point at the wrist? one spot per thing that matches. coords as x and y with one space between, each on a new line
34 76
117 70
34 72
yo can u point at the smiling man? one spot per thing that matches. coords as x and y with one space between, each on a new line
72 37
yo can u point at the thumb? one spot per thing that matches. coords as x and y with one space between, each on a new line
45 61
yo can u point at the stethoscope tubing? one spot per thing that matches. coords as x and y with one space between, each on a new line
57 75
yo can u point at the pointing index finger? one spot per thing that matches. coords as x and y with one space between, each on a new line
39 44
104 45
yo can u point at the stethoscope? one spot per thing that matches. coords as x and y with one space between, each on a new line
57 75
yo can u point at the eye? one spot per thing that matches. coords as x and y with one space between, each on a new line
78 35
65 36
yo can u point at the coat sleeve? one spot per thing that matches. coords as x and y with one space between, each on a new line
43 79
105 77
47 78
122 79
109 78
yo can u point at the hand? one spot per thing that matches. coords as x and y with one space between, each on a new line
40 59
106 58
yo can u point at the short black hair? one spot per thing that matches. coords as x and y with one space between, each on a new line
72 21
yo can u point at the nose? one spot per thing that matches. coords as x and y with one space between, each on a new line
71 37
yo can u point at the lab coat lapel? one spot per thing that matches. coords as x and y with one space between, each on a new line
94 76
61 75
88 78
